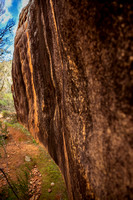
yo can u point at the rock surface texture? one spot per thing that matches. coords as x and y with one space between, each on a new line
73 89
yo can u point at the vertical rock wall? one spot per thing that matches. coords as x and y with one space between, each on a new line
73 89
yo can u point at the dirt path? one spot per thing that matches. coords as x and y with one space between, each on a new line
20 147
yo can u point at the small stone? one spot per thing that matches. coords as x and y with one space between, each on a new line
52 184
27 159
49 190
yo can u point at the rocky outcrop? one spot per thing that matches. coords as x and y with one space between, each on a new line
73 89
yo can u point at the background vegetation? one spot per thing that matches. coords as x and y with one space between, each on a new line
6 99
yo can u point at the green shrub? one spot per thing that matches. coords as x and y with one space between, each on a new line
5 113
8 96
3 130
20 186
3 102
6 102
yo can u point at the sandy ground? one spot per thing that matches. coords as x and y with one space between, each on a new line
18 145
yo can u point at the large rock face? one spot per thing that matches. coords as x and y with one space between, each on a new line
73 89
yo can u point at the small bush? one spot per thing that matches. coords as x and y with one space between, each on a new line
6 102
20 186
3 130
8 96
3 102
5 113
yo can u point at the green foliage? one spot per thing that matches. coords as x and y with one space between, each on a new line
13 119
10 118
13 123
5 74
6 99
34 141
5 113
3 103
3 128
20 127
8 96
50 173
3 132
6 102
20 186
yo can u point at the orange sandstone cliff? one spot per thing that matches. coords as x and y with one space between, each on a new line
73 89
